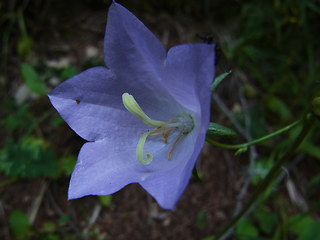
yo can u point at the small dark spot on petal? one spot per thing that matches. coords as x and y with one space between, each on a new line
77 101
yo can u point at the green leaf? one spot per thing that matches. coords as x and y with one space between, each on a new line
277 106
49 226
246 230
63 220
106 200
201 219
57 120
266 220
67 73
217 130
218 80
311 149
19 118
314 181
19 223
32 79
198 176
29 158
24 46
298 223
311 232
261 169
68 164
249 90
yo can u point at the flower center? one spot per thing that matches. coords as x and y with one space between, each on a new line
186 123
183 123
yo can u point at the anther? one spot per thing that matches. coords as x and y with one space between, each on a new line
164 133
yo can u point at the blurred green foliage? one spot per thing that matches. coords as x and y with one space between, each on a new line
28 158
106 200
21 228
19 118
277 44
32 79
201 219
263 224
246 230
20 225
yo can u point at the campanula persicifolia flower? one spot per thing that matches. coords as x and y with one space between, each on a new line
144 115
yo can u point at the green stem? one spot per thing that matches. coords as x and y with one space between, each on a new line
218 80
308 122
21 22
248 144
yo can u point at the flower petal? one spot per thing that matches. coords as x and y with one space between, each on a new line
131 50
91 104
104 167
169 178
167 186
138 58
190 68
190 71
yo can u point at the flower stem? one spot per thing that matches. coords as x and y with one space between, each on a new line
248 144
308 122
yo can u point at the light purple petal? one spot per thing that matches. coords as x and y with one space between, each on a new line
190 72
137 59
190 68
132 51
107 165
103 167
167 188
167 184
91 103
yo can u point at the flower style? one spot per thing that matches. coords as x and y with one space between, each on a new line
144 116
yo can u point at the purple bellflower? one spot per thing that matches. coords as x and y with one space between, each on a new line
145 115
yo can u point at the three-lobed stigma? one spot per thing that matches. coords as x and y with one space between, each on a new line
183 123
